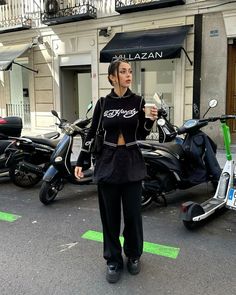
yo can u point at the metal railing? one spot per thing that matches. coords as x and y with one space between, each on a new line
126 6
28 13
66 11
20 110
133 2
20 13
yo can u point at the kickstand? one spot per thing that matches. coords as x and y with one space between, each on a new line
161 200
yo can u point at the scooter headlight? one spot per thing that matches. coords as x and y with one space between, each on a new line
68 129
161 122
58 159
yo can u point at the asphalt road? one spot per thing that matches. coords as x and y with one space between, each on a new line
43 252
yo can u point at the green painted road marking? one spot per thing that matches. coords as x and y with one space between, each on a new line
8 216
157 249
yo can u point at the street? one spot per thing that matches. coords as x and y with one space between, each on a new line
55 249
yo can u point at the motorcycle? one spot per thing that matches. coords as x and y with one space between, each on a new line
17 153
61 167
172 166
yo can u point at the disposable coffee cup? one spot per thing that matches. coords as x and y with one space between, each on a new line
148 106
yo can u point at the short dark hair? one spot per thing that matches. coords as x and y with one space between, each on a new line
114 67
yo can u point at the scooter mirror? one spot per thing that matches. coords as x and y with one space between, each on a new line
157 99
55 113
90 106
213 103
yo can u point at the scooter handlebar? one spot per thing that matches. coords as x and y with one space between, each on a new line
196 124
221 118
191 126
161 113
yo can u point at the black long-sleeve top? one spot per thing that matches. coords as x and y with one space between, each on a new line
121 115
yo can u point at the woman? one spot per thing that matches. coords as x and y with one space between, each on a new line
119 169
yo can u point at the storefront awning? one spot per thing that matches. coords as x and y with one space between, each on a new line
9 53
164 43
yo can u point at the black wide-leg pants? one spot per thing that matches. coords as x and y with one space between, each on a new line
110 197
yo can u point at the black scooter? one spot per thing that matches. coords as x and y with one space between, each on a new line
61 167
172 166
29 157
4 144
19 155
9 126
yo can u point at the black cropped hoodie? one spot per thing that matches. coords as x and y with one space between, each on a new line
121 115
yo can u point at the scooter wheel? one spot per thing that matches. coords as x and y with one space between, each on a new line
146 198
49 191
190 224
193 211
22 177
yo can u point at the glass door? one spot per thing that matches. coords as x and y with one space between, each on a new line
156 76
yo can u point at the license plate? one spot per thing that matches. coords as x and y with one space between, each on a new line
231 200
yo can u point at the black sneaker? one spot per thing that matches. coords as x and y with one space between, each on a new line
113 272
133 266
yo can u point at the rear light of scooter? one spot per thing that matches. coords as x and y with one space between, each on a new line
2 121
184 207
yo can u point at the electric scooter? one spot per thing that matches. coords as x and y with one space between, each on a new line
193 213
61 167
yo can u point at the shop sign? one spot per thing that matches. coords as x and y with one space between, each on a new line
140 55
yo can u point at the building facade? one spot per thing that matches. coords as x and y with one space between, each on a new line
181 49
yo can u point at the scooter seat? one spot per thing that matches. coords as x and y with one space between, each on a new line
49 142
173 148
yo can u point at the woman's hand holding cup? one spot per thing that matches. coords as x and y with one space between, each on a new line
150 110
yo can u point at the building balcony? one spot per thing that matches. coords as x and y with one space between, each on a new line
127 6
15 24
19 15
55 13
16 15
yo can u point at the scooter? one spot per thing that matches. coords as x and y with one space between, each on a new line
61 167
192 213
172 166
9 126
29 157
4 144
12 152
